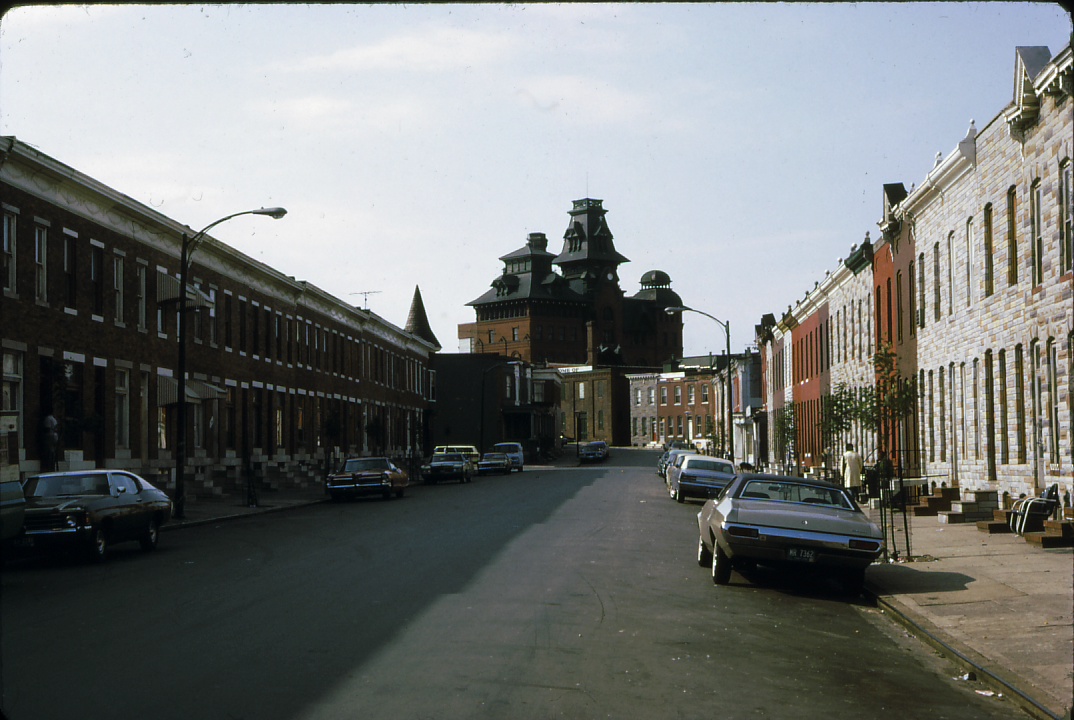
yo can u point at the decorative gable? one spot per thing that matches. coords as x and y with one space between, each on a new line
1029 61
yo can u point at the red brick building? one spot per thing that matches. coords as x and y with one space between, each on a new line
281 375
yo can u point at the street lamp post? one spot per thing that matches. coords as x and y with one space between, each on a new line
727 329
190 244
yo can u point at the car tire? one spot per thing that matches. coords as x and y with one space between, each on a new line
679 497
149 540
704 557
721 565
400 493
98 547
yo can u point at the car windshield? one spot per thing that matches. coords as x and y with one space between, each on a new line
713 465
353 465
447 457
788 491
61 485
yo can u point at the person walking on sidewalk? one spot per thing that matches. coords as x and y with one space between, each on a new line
852 466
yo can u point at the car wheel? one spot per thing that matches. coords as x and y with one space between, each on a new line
149 540
704 557
400 492
98 548
679 497
721 565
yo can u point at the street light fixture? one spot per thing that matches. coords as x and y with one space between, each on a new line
727 329
190 244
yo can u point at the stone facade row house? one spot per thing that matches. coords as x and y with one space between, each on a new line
968 292
282 377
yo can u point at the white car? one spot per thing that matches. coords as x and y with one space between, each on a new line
513 451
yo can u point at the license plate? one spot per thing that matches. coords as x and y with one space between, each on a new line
802 554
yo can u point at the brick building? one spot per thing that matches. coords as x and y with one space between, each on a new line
580 320
282 376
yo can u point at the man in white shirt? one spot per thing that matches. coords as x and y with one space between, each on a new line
852 467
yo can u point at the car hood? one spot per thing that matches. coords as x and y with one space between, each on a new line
61 504
799 516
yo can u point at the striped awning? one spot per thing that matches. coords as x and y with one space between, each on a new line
196 391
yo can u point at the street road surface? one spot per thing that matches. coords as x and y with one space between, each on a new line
570 592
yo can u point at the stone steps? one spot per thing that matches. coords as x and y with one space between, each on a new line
1056 533
974 506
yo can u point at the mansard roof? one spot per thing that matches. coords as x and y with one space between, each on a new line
588 240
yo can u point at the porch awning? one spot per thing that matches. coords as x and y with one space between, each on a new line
196 391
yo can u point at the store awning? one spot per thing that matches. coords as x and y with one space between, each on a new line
196 391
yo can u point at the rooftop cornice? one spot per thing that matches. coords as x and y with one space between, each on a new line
946 172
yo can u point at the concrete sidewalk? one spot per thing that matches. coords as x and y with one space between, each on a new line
993 604
997 606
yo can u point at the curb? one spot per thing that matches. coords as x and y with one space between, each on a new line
1013 688
262 510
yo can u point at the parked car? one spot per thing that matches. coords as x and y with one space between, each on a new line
12 507
470 451
514 452
92 510
674 460
494 464
808 524
595 451
358 476
448 466
700 476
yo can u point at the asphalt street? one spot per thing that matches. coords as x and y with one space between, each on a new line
560 592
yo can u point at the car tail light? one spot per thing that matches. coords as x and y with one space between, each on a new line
870 545
746 532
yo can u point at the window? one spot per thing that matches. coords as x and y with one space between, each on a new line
140 279
989 250
652 396
123 410
70 269
950 273
1012 237
936 282
1036 233
921 290
7 253
117 287
1053 402
1020 403
976 410
97 279
911 296
581 391
11 388
514 334
678 394
663 395
969 262
898 305
1066 219
41 263
637 396
1004 426
704 394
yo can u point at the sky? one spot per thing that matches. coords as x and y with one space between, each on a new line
741 148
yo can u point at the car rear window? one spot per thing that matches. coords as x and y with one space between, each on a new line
784 491
713 465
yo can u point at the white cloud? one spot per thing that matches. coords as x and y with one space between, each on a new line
434 50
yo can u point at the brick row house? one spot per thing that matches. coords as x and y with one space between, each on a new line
969 294
282 377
